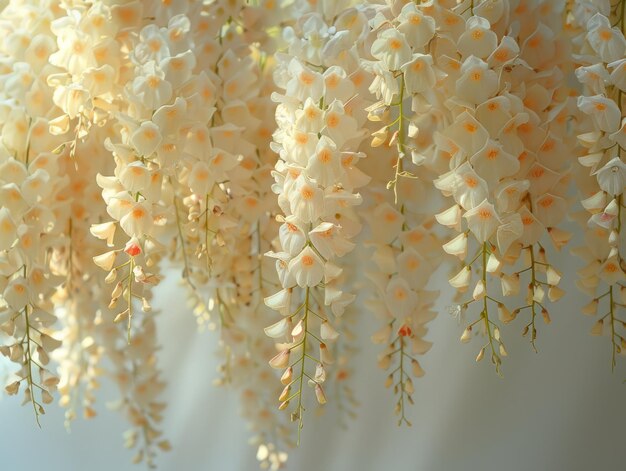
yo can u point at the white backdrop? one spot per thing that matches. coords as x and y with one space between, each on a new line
561 409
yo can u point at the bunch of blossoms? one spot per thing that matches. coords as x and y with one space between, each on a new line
229 214
406 250
32 218
83 291
319 132
78 87
499 154
602 171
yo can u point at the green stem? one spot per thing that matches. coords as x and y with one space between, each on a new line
29 362
130 296
305 318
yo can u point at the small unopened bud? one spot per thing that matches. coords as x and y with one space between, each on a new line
384 361
503 350
591 308
418 372
12 388
112 275
287 375
319 394
285 393
408 386
46 397
597 328
281 360
325 355
467 335
555 293
145 305
121 316
389 381
480 355
546 316
117 291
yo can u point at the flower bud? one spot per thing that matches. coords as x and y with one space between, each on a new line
480 355
327 332
105 260
110 278
287 375
285 393
122 316
145 305
281 360
319 394
325 355
597 328
418 372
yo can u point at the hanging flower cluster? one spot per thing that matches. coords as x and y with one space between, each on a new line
317 140
504 144
228 138
602 179
405 247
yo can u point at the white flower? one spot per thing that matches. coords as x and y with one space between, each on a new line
612 177
324 164
306 200
464 184
282 269
419 75
137 222
392 49
150 88
478 39
340 127
178 69
170 118
493 163
200 179
305 83
17 293
386 223
329 242
8 229
413 268
307 268
135 176
482 220
280 301
292 238
146 138
603 111
611 272
75 53
418 29
607 42
510 231
400 298
477 82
